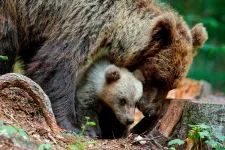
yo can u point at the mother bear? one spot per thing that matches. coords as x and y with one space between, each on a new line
56 38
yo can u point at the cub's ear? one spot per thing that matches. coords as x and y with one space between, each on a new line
139 75
199 35
112 74
163 28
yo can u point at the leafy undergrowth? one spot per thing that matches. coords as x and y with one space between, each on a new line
23 126
199 137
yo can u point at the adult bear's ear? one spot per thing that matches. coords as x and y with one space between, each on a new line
112 74
199 35
163 29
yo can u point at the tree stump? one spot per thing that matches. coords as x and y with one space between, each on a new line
210 111
181 113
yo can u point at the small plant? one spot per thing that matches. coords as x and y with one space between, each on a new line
18 67
200 134
81 142
174 142
45 147
3 57
88 123
12 129
6 130
1 123
40 113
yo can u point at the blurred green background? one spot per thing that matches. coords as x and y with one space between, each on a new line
209 64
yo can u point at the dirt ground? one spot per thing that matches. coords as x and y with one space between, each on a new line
18 108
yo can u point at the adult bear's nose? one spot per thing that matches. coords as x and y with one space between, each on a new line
130 121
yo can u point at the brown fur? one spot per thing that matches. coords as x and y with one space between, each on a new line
56 38
199 35
112 75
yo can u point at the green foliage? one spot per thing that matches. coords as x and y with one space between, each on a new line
209 12
203 132
1 123
69 134
18 67
3 57
88 123
40 113
209 48
77 145
13 129
45 147
176 141
122 145
220 137
209 63
81 142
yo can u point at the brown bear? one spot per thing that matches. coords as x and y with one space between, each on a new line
108 95
57 38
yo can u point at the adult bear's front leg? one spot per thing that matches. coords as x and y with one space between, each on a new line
52 69
8 42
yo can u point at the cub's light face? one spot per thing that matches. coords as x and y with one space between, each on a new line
122 96
124 111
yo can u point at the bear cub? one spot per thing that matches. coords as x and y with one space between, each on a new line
108 95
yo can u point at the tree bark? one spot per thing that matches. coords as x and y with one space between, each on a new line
210 111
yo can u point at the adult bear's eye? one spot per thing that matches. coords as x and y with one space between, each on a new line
123 101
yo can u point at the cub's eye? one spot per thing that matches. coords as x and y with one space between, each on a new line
123 101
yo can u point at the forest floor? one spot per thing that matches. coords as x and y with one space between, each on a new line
24 125
19 113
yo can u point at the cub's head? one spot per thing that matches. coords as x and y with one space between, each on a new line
121 91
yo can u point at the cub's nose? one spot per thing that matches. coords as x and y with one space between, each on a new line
130 121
